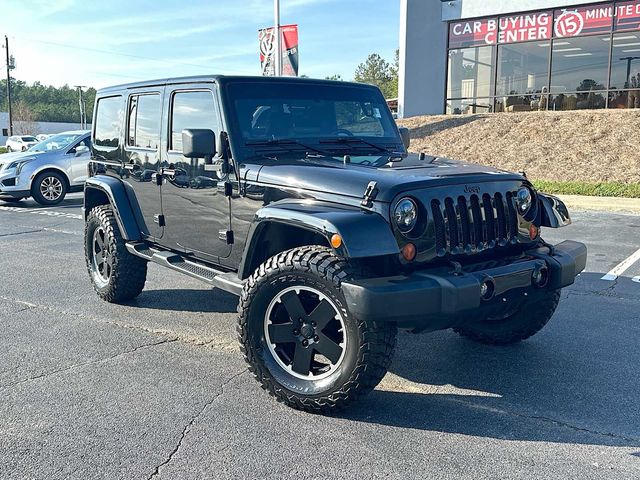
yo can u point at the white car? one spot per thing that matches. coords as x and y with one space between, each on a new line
20 143
42 136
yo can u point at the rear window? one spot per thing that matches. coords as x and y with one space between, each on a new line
108 122
144 121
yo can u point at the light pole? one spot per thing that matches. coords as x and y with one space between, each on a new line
11 64
83 119
276 47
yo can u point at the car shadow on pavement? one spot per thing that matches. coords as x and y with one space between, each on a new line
184 300
575 382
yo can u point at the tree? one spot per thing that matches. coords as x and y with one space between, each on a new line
23 120
375 70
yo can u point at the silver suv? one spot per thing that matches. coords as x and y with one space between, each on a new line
48 170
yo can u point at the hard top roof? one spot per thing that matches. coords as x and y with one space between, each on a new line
222 79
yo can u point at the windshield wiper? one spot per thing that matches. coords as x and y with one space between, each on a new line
352 140
284 143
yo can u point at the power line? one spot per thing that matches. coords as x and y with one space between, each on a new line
107 52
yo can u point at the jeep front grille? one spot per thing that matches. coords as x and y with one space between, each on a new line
475 223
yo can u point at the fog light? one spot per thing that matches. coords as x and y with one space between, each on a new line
409 252
486 289
540 276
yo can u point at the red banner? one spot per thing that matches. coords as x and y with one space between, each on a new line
567 22
628 16
571 22
288 50
525 28
473 33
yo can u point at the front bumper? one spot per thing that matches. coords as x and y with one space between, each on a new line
441 298
12 185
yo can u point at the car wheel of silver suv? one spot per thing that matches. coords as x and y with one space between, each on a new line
49 188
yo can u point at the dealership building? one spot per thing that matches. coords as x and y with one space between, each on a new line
483 56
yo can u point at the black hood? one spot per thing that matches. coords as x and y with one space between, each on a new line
351 180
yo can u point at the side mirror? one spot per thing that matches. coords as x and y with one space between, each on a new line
198 143
81 149
406 136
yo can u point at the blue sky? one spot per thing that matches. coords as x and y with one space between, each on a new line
98 43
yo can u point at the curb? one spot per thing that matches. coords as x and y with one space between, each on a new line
603 204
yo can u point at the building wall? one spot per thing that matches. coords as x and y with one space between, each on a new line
41 127
423 45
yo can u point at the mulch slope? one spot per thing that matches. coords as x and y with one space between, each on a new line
586 146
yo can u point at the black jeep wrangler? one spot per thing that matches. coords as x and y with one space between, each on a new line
300 197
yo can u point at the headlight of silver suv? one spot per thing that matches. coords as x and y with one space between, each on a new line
406 215
19 164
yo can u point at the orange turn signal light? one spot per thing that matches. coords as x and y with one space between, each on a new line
336 240
533 232
409 252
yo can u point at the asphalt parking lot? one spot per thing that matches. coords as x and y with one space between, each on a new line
157 388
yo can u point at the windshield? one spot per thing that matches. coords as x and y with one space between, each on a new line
56 142
29 139
320 118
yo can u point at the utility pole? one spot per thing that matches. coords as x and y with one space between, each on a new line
10 66
276 44
83 116
629 60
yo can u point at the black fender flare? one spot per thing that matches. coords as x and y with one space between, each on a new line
552 212
101 186
364 233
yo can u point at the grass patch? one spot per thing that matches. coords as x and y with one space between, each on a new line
602 189
3 150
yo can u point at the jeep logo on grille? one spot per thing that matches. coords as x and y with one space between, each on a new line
471 189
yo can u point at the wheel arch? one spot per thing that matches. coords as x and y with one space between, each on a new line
50 169
282 226
103 190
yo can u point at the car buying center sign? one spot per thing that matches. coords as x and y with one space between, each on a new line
623 16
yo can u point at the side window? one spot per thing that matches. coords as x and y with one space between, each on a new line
192 110
144 121
108 122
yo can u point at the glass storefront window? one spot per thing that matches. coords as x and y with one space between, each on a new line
578 101
470 72
471 105
578 57
580 64
625 62
523 68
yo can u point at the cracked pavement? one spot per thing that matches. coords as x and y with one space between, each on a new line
157 389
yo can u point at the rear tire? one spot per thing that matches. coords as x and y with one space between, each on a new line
300 340
49 188
116 274
526 321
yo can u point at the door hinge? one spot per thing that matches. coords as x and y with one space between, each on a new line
370 195
159 219
226 236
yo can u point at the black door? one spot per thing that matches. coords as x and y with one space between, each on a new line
142 156
196 211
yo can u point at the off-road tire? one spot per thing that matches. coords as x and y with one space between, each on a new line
368 352
37 194
128 272
526 321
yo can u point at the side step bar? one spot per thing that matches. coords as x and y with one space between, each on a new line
227 281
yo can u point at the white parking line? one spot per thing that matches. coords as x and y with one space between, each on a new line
39 211
622 267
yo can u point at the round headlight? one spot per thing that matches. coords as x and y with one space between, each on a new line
524 200
406 215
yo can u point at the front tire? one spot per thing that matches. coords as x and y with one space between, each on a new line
529 318
49 188
116 275
300 340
